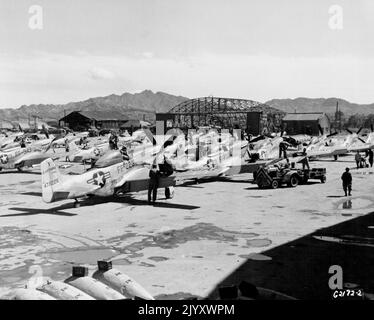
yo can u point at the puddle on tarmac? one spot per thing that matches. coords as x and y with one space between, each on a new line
144 264
256 256
158 259
358 203
258 242
86 256
347 204
121 262
173 238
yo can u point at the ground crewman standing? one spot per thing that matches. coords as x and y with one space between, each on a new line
153 183
358 159
305 161
347 181
370 155
113 141
125 155
283 146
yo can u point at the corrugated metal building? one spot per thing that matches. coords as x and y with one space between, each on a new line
306 123
78 120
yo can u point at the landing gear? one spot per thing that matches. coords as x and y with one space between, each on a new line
19 169
169 193
76 204
335 157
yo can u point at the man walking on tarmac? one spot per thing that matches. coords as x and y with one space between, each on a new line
154 175
305 161
347 182
370 155
358 159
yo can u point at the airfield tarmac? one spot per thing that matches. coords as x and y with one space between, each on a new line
179 248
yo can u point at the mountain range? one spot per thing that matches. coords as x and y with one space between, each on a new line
133 106
328 106
145 104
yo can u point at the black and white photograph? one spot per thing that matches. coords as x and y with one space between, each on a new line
201 150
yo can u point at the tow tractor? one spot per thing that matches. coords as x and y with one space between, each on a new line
274 176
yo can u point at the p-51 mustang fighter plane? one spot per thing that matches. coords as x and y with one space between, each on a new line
114 180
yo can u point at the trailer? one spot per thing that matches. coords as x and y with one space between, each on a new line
274 177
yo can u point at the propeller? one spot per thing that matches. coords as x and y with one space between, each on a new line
371 127
320 129
291 140
45 131
50 144
359 130
261 137
332 134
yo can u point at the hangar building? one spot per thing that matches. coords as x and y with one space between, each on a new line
226 113
306 123
78 120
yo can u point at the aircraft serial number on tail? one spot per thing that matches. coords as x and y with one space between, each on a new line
125 166
50 183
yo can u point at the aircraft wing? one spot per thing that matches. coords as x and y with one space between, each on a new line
362 147
137 179
135 173
327 152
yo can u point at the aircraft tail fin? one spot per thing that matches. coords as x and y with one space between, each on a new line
51 178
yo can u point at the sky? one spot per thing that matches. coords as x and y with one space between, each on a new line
253 49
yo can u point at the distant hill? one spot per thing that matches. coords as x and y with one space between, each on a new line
134 106
320 105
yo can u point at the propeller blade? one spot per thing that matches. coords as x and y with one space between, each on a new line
320 129
45 130
256 139
359 130
362 140
331 134
50 144
349 131
371 127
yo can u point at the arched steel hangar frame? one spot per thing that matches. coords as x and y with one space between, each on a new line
227 113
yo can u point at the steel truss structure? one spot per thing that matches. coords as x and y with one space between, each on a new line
250 116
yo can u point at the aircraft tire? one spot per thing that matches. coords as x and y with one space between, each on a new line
169 193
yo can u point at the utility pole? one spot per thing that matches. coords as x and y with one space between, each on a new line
338 118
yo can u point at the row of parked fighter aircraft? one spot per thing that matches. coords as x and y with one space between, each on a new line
199 155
